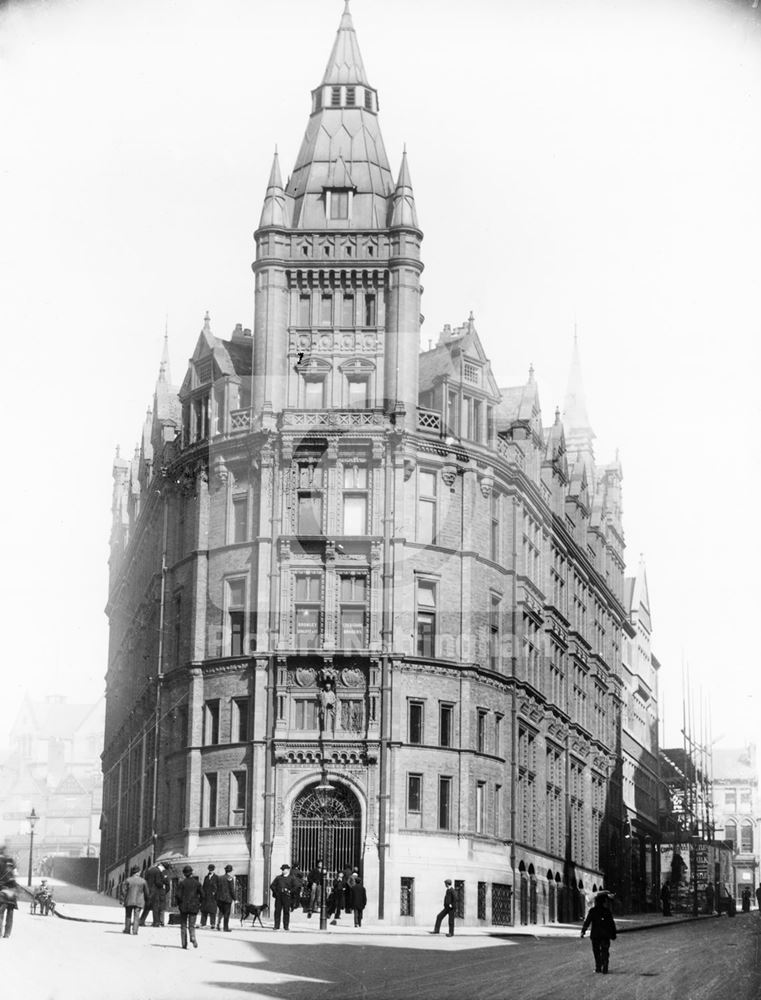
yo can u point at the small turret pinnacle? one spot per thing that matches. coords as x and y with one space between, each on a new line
164 375
274 209
403 211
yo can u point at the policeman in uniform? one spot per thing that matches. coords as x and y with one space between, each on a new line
281 888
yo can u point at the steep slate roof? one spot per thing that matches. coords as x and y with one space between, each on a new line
444 358
349 133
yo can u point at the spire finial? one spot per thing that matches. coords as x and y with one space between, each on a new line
531 371
207 323
164 365
557 415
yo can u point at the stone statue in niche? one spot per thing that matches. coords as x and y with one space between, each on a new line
327 699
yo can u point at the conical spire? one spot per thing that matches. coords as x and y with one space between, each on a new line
345 63
274 211
342 135
403 211
575 413
579 433
164 375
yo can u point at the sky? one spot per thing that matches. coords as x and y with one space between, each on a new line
590 165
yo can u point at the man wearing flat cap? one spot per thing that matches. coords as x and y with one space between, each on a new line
282 888
187 899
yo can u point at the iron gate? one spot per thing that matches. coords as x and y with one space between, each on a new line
333 835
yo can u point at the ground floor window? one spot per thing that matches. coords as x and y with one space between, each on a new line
407 897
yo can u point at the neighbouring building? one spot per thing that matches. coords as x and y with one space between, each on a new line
339 563
52 765
737 812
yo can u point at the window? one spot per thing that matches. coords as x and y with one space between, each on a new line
489 424
415 722
495 637
339 204
496 533
481 730
476 432
745 800
730 799
426 509
177 622
459 894
305 310
480 806
308 611
554 801
368 100
426 618
236 617
470 373
481 905
314 393
453 413
352 715
357 393
305 713
445 725
730 832
414 793
370 311
240 518
309 500
445 803
355 500
526 804
238 798
746 837
239 727
326 310
498 810
335 96
347 315
498 734
211 722
353 612
209 808
351 96
407 897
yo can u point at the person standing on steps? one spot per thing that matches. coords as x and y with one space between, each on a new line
187 899
225 897
602 931
448 911
358 900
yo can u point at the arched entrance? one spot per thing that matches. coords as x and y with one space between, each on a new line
335 835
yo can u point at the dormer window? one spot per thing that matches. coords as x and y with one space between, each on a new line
338 203
335 96
470 373
351 97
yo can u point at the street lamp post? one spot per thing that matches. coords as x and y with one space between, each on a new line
324 793
32 817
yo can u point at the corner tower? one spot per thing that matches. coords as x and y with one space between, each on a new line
337 268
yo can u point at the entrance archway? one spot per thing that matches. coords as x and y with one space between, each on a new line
337 840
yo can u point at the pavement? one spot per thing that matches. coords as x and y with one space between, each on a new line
83 905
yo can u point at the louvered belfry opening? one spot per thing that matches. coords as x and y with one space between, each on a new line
339 845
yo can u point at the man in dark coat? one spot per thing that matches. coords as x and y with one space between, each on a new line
187 899
209 901
758 898
448 910
8 895
281 888
134 898
154 875
666 899
225 896
315 883
602 931
358 900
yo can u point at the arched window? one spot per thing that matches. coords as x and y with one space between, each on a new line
730 832
746 837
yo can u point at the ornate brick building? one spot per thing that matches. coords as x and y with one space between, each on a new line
336 558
